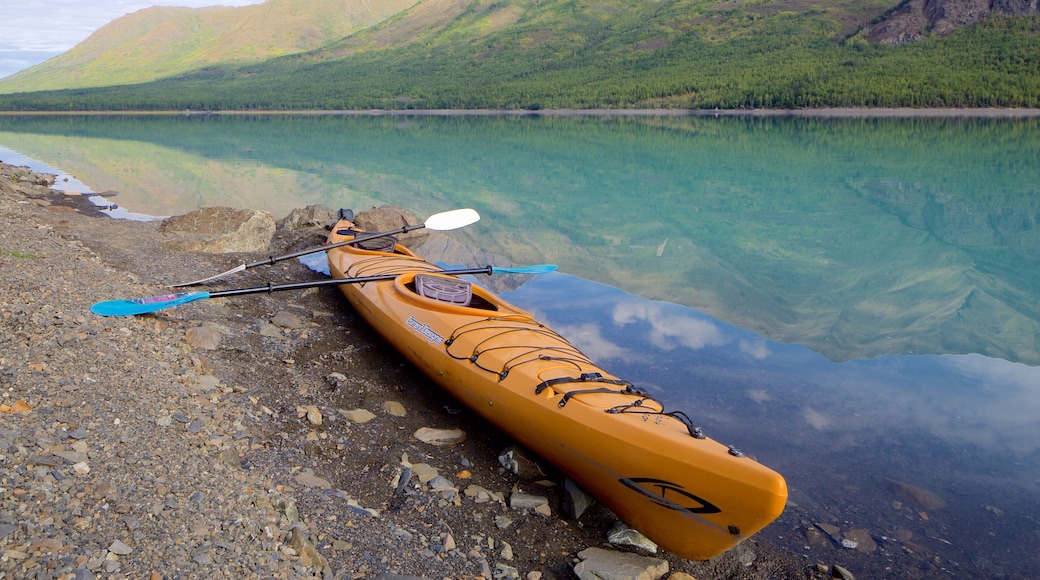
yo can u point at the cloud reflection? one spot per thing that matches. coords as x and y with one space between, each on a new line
667 330
589 339
815 419
757 349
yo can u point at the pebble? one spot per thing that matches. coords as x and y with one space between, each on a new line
861 540
307 478
204 337
394 409
440 436
120 549
424 472
358 415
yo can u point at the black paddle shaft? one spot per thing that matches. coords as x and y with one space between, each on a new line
355 240
335 282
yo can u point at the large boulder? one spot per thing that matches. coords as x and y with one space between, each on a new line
308 217
219 230
388 218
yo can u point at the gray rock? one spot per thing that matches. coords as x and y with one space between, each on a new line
7 529
574 501
521 462
308 217
387 218
288 507
524 501
71 456
600 564
219 230
841 573
300 542
622 535
506 571
288 320
441 485
307 478
120 549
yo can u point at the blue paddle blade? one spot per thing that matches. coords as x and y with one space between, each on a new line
537 269
145 305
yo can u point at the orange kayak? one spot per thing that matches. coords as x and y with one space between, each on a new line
689 494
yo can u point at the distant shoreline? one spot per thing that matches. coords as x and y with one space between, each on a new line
837 112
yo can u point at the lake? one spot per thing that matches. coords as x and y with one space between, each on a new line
854 302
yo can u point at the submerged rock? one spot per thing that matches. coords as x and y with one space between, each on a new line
920 496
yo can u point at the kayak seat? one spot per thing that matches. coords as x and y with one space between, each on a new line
448 290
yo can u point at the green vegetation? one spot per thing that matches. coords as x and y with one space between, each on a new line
19 254
612 54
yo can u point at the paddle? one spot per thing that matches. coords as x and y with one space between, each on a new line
441 222
130 307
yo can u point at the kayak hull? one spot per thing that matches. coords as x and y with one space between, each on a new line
689 494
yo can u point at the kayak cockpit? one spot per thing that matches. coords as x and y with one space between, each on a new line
445 293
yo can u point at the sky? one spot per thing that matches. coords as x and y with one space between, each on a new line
41 29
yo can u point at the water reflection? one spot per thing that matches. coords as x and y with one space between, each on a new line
855 237
935 446
68 183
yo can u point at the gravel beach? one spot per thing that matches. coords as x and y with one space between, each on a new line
260 436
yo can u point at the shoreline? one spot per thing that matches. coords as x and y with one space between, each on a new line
248 437
826 113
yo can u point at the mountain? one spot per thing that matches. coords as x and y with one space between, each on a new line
163 41
534 54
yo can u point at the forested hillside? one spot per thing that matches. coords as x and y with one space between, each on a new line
525 54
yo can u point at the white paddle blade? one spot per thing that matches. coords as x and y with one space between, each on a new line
452 220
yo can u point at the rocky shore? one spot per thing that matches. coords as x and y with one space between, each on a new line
261 436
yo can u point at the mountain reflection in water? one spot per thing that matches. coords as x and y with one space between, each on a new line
854 439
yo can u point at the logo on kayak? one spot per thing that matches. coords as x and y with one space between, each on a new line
670 495
424 329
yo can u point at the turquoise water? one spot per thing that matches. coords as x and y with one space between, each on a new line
856 302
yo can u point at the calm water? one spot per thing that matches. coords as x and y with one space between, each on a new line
854 302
